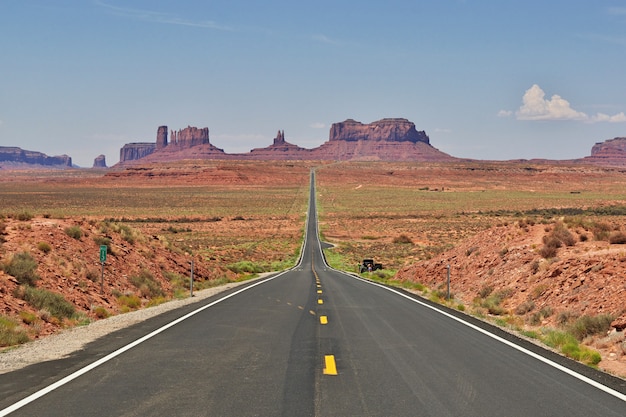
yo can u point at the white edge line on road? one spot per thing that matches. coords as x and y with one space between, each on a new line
547 361
82 371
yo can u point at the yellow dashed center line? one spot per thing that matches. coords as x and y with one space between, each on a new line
330 368
320 301
323 319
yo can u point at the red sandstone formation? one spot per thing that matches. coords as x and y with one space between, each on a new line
13 155
100 162
385 130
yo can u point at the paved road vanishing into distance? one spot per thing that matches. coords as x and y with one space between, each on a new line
311 341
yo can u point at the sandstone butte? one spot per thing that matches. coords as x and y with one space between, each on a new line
386 139
390 139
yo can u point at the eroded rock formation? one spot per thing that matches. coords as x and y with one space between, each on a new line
385 130
137 150
15 155
100 162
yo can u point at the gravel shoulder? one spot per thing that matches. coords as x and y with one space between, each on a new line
66 342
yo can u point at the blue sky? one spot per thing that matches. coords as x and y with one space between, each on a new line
486 79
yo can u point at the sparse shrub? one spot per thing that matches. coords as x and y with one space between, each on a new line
24 268
525 308
601 231
24 216
403 239
103 241
565 317
44 247
93 275
43 299
549 248
147 285
534 267
74 232
239 218
129 302
485 291
589 325
245 267
11 333
469 251
100 312
28 317
617 238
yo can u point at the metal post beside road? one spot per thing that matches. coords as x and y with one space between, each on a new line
103 258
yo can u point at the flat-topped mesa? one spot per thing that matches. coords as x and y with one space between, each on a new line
136 150
387 130
12 154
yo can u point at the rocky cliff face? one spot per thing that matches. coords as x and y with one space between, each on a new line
137 150
385 130
188 137
14 155
609 152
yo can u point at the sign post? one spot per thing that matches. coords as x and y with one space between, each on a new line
103 258
191 280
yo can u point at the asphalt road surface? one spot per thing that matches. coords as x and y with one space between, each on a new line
311 342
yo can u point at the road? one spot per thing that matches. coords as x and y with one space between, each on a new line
311 342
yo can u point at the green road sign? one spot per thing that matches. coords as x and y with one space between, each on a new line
103 253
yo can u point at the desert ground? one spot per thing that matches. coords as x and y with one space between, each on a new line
539 249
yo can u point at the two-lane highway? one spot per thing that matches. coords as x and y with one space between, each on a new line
308 342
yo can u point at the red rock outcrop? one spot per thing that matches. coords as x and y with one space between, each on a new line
14 155
100 162
385 130
609 152
137 150
188 137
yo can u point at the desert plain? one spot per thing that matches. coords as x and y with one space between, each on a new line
536 248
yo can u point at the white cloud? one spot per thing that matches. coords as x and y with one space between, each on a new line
505 113
536 107
616 118
317 125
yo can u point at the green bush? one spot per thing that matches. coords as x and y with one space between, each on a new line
103 241
24 268
74 232
11 333
245 267
129 301
589 325
44 247
24 216
147 285
43 299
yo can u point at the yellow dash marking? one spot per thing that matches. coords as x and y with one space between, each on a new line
320 301
329 365
311 312
319 291
323 320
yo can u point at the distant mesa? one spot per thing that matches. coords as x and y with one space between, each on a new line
100 162
14 157
609 152
386 139
385 130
